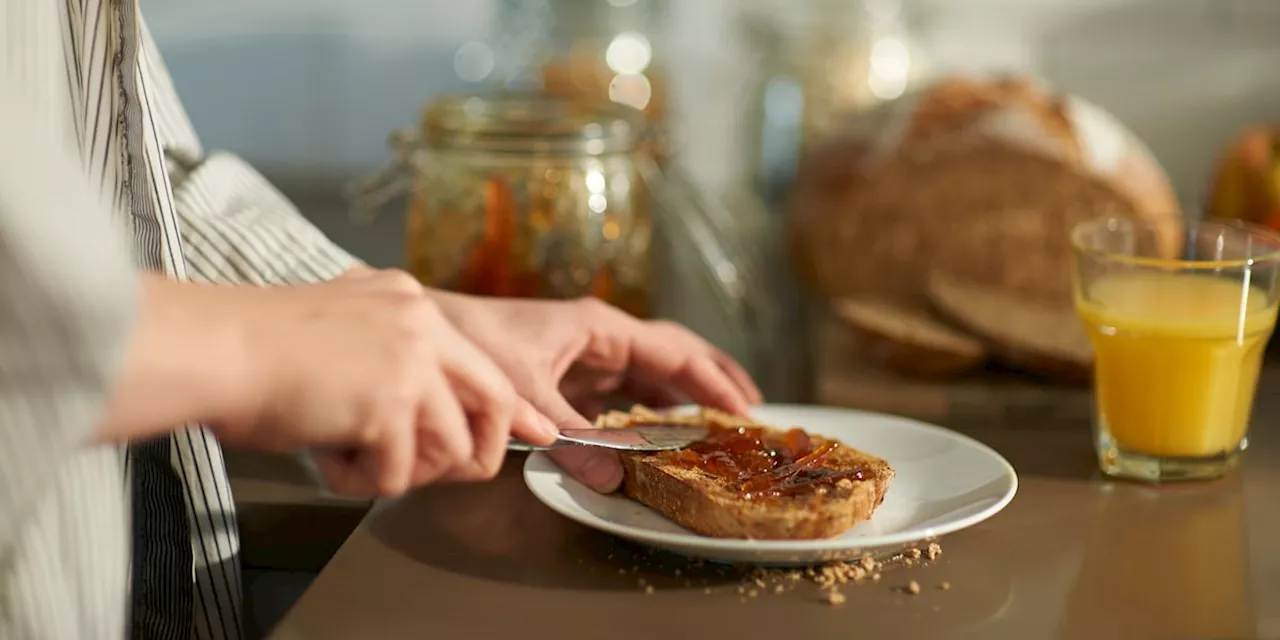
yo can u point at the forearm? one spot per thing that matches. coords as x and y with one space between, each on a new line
187 361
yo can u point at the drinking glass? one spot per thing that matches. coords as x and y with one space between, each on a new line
1179 313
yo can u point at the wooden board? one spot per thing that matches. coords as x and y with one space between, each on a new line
845 377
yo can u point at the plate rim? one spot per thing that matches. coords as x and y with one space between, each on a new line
707 544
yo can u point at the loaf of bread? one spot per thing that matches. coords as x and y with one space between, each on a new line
981 179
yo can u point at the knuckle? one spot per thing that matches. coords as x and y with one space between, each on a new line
489 469
502 395
369 433
488 466
391 486
400 281
670 327
456 448
593 307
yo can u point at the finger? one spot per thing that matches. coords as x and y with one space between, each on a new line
528 421
667 353
739 376
708 385
498 412
444 439
343 475
489 403
597 468
552 404
390 461
653 394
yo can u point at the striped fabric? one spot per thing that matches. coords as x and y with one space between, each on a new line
197 216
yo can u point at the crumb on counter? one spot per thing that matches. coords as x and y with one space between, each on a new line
835 598
945 586
648 590
913 588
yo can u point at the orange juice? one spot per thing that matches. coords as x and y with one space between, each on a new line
1177 359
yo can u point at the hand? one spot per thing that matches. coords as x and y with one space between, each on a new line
565 358
368 369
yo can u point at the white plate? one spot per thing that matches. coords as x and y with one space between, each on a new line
945 482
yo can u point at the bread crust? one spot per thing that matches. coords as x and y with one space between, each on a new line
983 179
1030 336
909 342
710 506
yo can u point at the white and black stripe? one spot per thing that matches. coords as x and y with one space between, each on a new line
207 218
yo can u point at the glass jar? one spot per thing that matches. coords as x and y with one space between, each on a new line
593 51
817 61
526 196
521 194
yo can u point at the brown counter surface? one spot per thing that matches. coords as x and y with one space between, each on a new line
1073 556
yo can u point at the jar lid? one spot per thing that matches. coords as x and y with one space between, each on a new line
528 122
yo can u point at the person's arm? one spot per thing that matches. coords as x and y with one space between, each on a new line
68 293
189 360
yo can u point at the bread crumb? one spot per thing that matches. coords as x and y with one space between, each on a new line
778 589
707 590
934 551
752 593
913 588
648 590
945 586
913 553
835 598
875 577
868 563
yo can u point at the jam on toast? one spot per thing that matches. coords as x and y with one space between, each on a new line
753 481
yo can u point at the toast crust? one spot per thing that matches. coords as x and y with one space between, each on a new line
714 506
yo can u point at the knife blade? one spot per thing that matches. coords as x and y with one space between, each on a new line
648 437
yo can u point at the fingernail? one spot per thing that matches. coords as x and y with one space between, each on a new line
547 427
603 472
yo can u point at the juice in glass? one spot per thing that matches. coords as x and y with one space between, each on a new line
1179 314
1177 359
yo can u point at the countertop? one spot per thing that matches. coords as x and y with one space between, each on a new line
1073 556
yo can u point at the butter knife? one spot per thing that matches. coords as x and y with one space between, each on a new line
649 437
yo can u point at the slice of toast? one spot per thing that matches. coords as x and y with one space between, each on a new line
1033 337
908 342
715 505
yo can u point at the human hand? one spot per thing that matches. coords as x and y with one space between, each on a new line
566 357
367 370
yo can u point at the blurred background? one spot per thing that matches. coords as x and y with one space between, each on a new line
307 90
328 99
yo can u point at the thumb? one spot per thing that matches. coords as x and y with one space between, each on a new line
593 466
